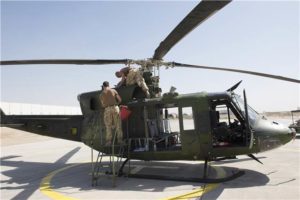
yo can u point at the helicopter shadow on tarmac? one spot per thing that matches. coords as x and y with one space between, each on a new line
249 179
79 178
26 176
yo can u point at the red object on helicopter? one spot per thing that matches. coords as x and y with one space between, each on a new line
124 112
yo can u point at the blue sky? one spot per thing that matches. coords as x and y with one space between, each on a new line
259 36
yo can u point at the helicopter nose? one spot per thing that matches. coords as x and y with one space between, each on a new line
272 134
284 133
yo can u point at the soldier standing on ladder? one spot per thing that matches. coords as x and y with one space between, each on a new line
110 99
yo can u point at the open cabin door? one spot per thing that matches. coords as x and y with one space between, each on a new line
230 127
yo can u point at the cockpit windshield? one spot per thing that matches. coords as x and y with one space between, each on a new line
253 115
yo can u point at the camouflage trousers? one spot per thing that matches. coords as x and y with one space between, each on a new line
112 120
135 76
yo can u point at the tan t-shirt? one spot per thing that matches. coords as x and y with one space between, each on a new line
108 97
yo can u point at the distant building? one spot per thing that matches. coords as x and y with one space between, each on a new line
37 109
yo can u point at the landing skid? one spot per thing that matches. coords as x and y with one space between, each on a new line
184 179
196 180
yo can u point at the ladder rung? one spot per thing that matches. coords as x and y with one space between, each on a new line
114 165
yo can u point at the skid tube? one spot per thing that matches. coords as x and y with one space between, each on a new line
183 179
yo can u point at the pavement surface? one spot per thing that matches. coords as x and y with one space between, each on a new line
38 167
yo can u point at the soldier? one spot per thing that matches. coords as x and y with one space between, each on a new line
110 100
131 76
121 74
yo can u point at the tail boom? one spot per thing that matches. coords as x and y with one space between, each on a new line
58 126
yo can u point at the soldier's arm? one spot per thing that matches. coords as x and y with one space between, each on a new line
118 98
101 100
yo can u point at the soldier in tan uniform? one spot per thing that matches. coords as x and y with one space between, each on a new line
131 76
110 100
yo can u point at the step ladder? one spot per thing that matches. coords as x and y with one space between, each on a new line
111 165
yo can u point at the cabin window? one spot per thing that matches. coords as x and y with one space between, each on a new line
170 120
93 104
187 118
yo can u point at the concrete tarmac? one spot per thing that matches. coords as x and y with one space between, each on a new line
38 167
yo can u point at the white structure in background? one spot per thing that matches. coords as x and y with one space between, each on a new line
36 109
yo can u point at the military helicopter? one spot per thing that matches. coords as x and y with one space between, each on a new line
222 125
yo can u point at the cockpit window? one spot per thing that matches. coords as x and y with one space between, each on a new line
253 115
228 126
225 114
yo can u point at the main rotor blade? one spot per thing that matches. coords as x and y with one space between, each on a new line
200 13
64 62
238 71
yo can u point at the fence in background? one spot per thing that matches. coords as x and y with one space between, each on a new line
37 109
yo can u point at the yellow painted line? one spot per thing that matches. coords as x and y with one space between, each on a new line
202 190
46 189
196 193
45 186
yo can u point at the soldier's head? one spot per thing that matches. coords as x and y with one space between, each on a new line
118 74
105 84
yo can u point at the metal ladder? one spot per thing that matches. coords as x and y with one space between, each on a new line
102 167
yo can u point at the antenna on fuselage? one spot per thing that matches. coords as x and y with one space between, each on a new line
234 87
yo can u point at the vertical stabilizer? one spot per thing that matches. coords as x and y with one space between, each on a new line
2 117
